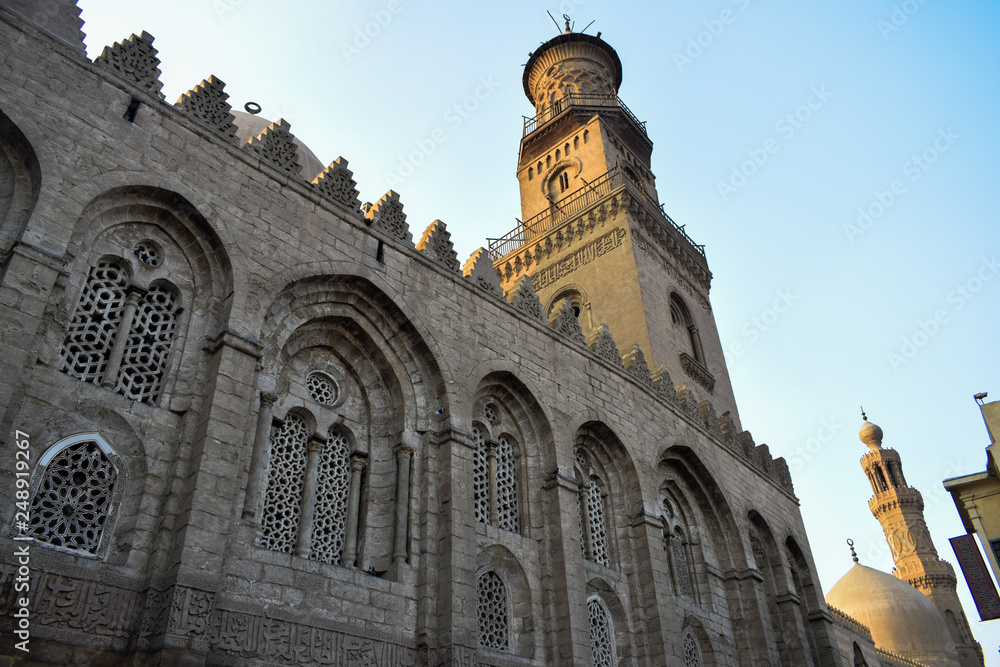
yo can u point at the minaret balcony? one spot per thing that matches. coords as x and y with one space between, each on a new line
567 210
583 101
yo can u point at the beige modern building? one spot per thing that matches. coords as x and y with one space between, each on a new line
245 420
977 496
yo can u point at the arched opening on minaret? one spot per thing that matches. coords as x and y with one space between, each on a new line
880 479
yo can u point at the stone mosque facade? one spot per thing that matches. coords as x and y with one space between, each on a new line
247 420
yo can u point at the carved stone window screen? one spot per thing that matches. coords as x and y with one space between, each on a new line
333 487
283 499
692 654
508 517
147 346
76 493
149 253
98 315
492 611
480 476
682 568
598 523
322 388
492 414
602 635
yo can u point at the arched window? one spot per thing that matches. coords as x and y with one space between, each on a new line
120 335
494 479
692 652
602 634
859 657
598 522
576 142
75 496
686 333
332 489
492 610
95 323
564 181
283 502
682 567
880 478
531 173
586 136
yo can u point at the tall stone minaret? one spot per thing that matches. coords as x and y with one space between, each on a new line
900 510
592 232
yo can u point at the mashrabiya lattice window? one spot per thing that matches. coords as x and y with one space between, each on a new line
492 612
75 496
602 635
144 320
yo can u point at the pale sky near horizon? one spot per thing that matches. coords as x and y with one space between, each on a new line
837 159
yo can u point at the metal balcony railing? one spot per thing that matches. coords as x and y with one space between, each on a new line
579 99
561 212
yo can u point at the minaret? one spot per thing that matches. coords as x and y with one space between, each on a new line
900 510
592 231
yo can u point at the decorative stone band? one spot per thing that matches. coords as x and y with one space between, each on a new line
697 372
119 618
542 278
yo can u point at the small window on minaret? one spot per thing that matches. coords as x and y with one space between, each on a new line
531 173
557 155
566 148
576 143
564 181
548 161
539 167
586 136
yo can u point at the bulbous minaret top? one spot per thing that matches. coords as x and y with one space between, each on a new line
870 434
572 63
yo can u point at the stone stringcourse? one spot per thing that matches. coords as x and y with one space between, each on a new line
336 183
208 102
277 146
601 343
566 323
635 363
387 215
522 296
480 270
134 59
436 244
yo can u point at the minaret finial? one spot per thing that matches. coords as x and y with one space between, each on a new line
854 554
863 415
566 18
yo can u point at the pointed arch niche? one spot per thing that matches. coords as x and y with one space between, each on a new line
349 367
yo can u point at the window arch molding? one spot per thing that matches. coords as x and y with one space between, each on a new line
548 184
20 184
683 547
128 223
85 517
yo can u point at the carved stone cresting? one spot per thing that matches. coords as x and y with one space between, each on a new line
522 296
688 401
436 244
663 384
635 363
697 372
565 322
387 215
277 146
208 102
336 183
134 59
603 345
480 270
709 419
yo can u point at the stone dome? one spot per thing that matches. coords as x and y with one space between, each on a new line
871 434
249 126
901 618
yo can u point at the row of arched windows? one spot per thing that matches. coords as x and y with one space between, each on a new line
559 154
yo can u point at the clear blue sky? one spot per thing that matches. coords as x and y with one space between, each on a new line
897 311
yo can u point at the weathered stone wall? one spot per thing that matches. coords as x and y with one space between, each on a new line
274 275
